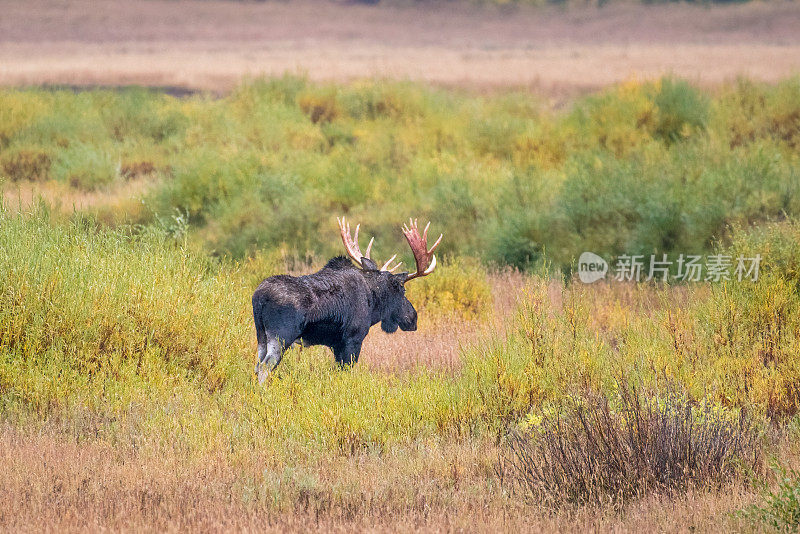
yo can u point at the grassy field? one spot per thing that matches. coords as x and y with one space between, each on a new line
128 400
135 226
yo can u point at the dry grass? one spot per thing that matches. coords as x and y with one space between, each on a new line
211 45
609 455
114 203
439 341
52 482
563 70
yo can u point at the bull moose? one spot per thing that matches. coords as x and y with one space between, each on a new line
337 305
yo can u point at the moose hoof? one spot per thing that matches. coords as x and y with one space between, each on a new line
263 374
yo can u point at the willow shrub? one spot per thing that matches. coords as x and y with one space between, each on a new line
79 304
459 288
134 336
638 167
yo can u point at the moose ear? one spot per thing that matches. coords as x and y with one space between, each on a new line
401 277
368 265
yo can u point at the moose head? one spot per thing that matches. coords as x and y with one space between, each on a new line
397 310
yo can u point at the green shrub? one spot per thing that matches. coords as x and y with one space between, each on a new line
459 288
18 110
142 114
783 115
80 305
619 120
276 161
203 179
778 244
753 328
85 167
503 381
781 507
681 110
519 234
370 100
320 108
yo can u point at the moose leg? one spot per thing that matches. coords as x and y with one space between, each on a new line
347 353
261 355
269 356
277 327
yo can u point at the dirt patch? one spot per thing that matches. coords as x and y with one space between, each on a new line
213 44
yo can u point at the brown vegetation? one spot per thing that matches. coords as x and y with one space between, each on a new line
211 45
609 455
53 482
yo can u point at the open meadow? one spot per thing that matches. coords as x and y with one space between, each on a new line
557 48
135 224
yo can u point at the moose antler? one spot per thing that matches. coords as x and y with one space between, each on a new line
351 242
354 251
426 261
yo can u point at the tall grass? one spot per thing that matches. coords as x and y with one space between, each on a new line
99 321
122 326
81 307
133 343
